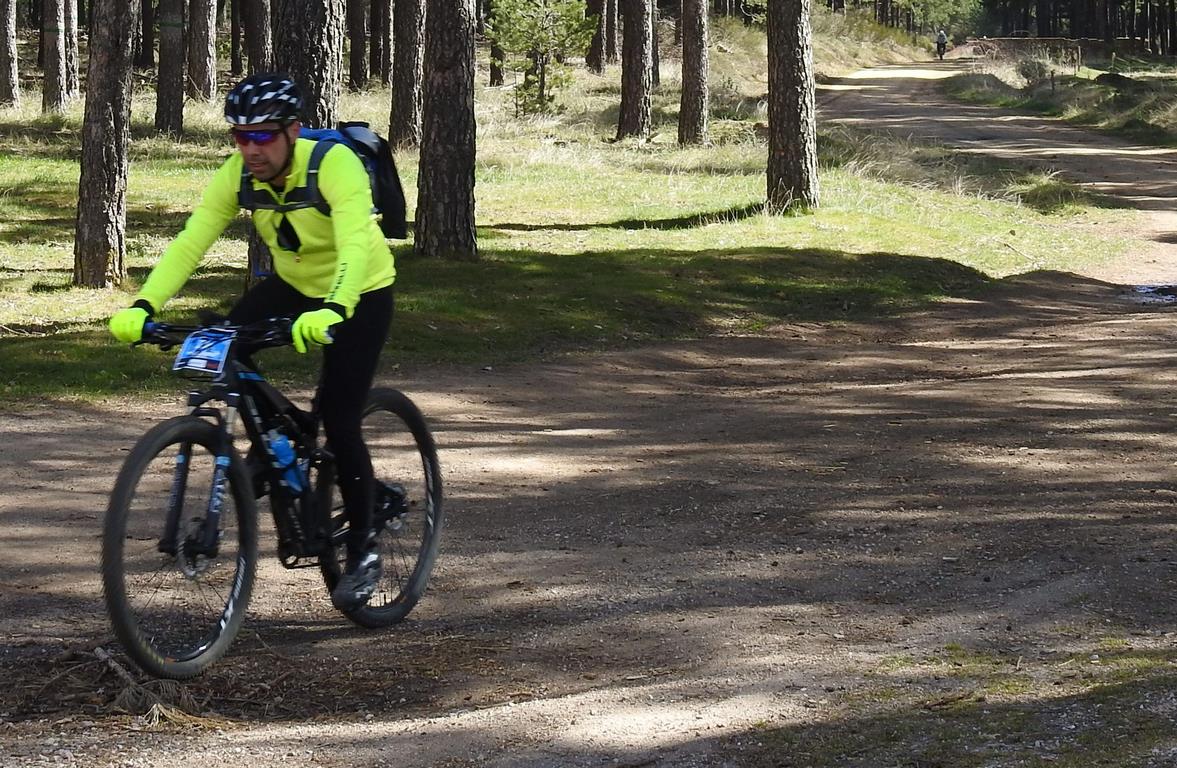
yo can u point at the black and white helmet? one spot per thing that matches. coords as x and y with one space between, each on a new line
267 97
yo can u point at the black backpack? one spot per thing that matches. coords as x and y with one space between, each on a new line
388 198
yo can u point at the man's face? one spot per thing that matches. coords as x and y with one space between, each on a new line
265 147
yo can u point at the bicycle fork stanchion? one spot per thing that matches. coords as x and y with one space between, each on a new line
167 544
210 532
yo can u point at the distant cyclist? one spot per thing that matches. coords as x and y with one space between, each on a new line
334 273
941 44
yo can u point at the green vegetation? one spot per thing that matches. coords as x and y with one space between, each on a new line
971 708
543 33
586 243
1131 98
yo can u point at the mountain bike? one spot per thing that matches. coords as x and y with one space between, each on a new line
180 541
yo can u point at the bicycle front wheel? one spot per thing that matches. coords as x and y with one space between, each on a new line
178 555
408 516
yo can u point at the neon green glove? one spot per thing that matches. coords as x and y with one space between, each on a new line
127 324
314 328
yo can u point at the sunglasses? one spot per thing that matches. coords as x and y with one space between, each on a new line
259 137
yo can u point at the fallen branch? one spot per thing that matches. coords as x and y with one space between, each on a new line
117 668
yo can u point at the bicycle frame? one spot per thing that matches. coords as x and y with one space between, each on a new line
259 406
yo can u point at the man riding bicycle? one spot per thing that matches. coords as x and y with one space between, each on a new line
334 273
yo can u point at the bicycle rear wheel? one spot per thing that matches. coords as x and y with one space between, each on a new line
175 603
408 518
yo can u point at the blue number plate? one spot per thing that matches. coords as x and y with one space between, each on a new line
205 351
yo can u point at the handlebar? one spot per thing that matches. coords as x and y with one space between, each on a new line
271 332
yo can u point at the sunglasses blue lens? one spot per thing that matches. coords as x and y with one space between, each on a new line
260 138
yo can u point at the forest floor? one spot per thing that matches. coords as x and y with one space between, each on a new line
939 539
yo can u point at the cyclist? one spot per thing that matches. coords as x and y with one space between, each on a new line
333 273
941 43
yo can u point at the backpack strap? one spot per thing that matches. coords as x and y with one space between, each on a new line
251 199
313 196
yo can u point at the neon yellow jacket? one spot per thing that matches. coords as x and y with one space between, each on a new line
341 256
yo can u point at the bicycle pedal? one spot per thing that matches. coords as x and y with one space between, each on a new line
291 562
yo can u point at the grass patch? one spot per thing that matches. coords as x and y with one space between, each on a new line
1139 105
1111 705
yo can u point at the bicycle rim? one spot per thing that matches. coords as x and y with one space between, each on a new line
177 611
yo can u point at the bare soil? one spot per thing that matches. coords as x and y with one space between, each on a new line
819 545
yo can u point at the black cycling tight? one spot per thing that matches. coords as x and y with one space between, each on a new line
349 365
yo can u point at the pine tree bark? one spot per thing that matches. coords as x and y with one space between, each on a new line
357 38
611 41
145 50
169 89
100 237
408 29
634 117
308 45
792 111
498 56
445 180
202 49
73 88
595 58
655 63
694 102
9 72
236 43
259 38
53 38
380 40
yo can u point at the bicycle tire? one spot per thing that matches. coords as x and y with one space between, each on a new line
183 584
403 452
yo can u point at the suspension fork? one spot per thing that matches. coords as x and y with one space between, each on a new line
209 534
210 530
167 543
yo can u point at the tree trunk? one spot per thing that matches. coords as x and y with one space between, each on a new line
145 53
53 35
634 117
498 56
408 25
445 180
357 38
236 56
792 112
259 39
261 261
169 90
611 46
381 40
202 50
693 107
1042 18
9 72
308 44
73 88
655 64
594 59
100 246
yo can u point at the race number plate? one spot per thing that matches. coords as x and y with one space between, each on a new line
204 351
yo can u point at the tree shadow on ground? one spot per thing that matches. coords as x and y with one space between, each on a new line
691 221
528 302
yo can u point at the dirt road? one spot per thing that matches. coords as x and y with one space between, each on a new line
944 539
